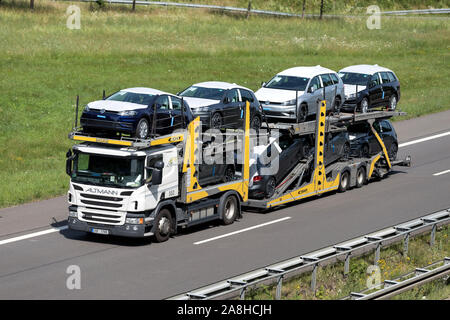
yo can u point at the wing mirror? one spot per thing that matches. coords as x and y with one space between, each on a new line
311 90
156 173
263 84
69 162
227 100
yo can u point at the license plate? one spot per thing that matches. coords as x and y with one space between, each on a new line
100 231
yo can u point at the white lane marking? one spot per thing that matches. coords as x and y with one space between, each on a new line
32 235
440 173
242 230
424 139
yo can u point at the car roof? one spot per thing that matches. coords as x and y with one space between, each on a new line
307 72
365 68
145 90
219 85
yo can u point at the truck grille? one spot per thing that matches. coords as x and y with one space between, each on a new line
101 209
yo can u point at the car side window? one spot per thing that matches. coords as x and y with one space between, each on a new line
374 81
176 103
246 96
335 78
285 142
385 77
315 83
163 103
233 95
326 80
391 77
385 126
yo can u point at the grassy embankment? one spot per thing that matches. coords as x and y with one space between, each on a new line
332 284
44 66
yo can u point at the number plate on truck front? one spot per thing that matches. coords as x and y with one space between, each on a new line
100 231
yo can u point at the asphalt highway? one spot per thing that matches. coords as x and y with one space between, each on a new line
34 261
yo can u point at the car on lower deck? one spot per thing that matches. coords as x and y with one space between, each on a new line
130 111
363 142
293 94
369 86
221 104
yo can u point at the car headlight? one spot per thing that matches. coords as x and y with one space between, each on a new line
134 220
289 103
86 109
128 113
351 95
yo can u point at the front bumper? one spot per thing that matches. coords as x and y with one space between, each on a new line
279 112
125 230
109 123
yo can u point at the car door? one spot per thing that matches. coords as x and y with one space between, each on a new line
247 96
231 108
329 89
314 93
176 115
387 88
375 90
287 157
387 134
163 114
374 145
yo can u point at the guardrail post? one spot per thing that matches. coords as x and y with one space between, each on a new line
433 234
377 253
279 285
405 244
347 263
313 278
242 293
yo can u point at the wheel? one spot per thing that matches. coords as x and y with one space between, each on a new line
270 187
393 152
229 209
216 121
344 183
163 225
229 174
346 152
142 129
303 114
392 102
255 124
337 105
364 152
360 177
364 105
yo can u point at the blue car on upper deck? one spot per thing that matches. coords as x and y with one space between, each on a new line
130 111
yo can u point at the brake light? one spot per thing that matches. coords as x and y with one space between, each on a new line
257 178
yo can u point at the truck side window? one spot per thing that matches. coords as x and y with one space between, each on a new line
149 170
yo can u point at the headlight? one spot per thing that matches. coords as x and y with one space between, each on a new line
351 95
86 109
128 113
289 103
134 220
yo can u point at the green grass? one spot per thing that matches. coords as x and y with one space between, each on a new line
332 284
44 66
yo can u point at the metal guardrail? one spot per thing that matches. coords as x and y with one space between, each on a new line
405 282
276 273
249 10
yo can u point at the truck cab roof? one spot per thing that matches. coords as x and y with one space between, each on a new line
95 148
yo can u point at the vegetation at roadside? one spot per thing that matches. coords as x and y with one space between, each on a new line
332 284
44 65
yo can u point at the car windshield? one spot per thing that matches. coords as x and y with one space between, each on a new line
203 93
359 79
288 83
125 96
119 172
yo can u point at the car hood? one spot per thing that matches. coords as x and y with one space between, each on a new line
117 106
276 95
199 102
351 88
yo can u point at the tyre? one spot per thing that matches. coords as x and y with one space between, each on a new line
392 102
216 121
229 174
364 152
163 225
142 129
393 149
360 177
229 209
337 105
364 105
345 181
255 124
270 187
303 113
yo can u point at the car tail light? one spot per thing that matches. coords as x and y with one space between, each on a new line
257 178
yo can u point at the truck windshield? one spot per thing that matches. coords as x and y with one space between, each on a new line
288 83
118 172
359 79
